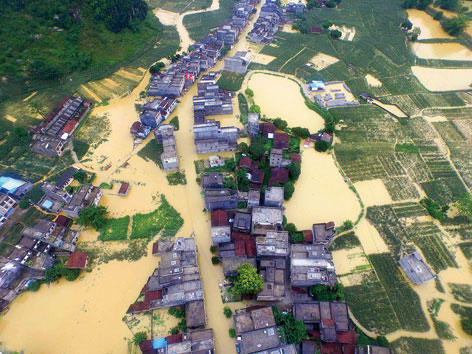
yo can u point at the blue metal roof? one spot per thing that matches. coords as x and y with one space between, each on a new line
10 185
159 343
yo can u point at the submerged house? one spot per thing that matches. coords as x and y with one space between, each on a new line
416 268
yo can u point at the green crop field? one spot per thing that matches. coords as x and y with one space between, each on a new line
115 229
407 345
384 301
199 25
179 5
165 218
427 236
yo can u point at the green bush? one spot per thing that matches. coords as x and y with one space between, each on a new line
227 311
249 92
291 330
294 170
348 225
230 81
321 146
289 188
280 123
301 132
213 249
175 122
177 312
93 216
232 332
215 260
139 337
24 204
80 176
336 34
248 281
433 208
34 285
80 148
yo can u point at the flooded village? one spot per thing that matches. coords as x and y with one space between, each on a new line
206 219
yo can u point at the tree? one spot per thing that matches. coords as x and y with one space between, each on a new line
227 311
297 237
348 225
452 5
291 330
248 281
213 249
243 147
34 285
336 34
139 337
255 109
291 228
80 176
93 216
383 341
280 123
455 25
156 68
257 148
331 4
243 181
249 92
464 205
301 132
215 260
24 204
289 188
327 24
438 16
423 4
321 145
232 333
225 50
294 170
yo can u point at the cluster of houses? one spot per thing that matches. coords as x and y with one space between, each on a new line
36 247
176 282
57 198
210 100
329 94
12 190
53 135
328 325
270 20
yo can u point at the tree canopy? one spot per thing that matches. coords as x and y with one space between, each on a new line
455 25
248 281
280 123
294 170
291 330
301 132
289 188
93 216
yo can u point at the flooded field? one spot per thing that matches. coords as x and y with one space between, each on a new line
373 81
434 79
390 108
430 28
83 316
280 97
373 192
443 51
321 194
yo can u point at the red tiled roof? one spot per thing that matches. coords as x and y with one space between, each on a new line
315 334
278 175
152 295
349 337
146 345
349 349
77 260
70 126
239 247
175 338
219 218
251 247
331 348
155 248
257 176
62 220
308 236
266 128
281 140
327 322
295 158
245 162
138 307
124 188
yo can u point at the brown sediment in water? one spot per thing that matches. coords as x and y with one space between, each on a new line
430 28
321 194
443 79
442 51
280 97
373 192
321 61
373 81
